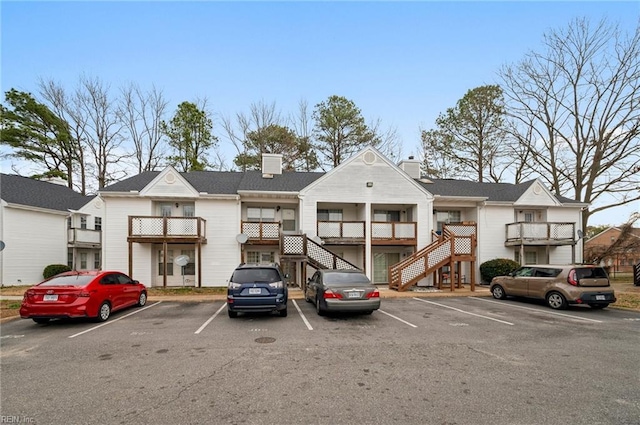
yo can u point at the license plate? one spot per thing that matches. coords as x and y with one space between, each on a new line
600 297
255 291
354 294
49 297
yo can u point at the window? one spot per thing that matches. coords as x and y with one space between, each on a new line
260 257
446 217
83 222
69 223
329 215
97 223
188 210
529 216
70 257
169 263
190 268
257 214
288 220
530 257
165 210
96 261
83 260
381 263
383 215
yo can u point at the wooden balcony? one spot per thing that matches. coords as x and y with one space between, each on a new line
394 233
84 238
540 234
151 229
261 233
341 232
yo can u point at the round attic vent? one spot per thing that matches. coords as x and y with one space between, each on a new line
170 178
537 190
369 158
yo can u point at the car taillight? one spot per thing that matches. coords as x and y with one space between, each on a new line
330 294
234 285
571 278
276 285
29 294
374 294
84 294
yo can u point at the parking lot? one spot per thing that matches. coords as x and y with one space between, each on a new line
467 360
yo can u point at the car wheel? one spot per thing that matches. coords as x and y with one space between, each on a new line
319 308
142 299
498 292
306 297
283 313
232 314
41 321
598 306
556 301
103 312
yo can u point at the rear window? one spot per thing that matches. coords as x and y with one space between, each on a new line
255 276
330 278
72 280
591 273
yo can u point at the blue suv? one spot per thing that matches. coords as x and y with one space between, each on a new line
257 288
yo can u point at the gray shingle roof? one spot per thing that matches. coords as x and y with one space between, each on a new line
225 182
497 192
41 194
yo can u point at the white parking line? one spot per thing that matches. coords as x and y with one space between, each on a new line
397 318
304 319
537 310
114 320
204 325
465 312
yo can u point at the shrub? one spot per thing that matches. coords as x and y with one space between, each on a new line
497 267
54 269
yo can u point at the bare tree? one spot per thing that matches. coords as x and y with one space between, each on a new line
141 113
389 142
577 106
66 108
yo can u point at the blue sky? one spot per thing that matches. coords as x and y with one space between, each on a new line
400 62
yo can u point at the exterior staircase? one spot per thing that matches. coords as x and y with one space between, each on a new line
317 256
457 243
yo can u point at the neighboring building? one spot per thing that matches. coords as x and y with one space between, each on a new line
171 228
43 223
620 259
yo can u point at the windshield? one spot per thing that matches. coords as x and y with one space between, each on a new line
338 278
71 280
255 276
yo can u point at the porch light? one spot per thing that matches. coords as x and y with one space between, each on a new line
369 184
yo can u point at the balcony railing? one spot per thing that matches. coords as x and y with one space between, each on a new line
341 230
167 228
84 237
262 232
393 232
543 233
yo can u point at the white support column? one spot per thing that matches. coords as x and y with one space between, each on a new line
368 259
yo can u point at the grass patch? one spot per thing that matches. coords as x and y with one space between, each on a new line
9 308
14 290
186 290
627 300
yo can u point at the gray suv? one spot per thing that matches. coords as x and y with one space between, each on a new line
558 285
257 288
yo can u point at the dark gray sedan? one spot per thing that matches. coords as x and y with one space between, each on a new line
342 291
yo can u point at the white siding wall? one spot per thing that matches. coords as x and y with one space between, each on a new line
33 241
221 254
491 233
562 254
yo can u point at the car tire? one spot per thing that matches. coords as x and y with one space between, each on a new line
41 321
556 301
319 308
498 292
232 314
142 299
307 298
598 306
103 312
283 313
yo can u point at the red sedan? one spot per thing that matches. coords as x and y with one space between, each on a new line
92 294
